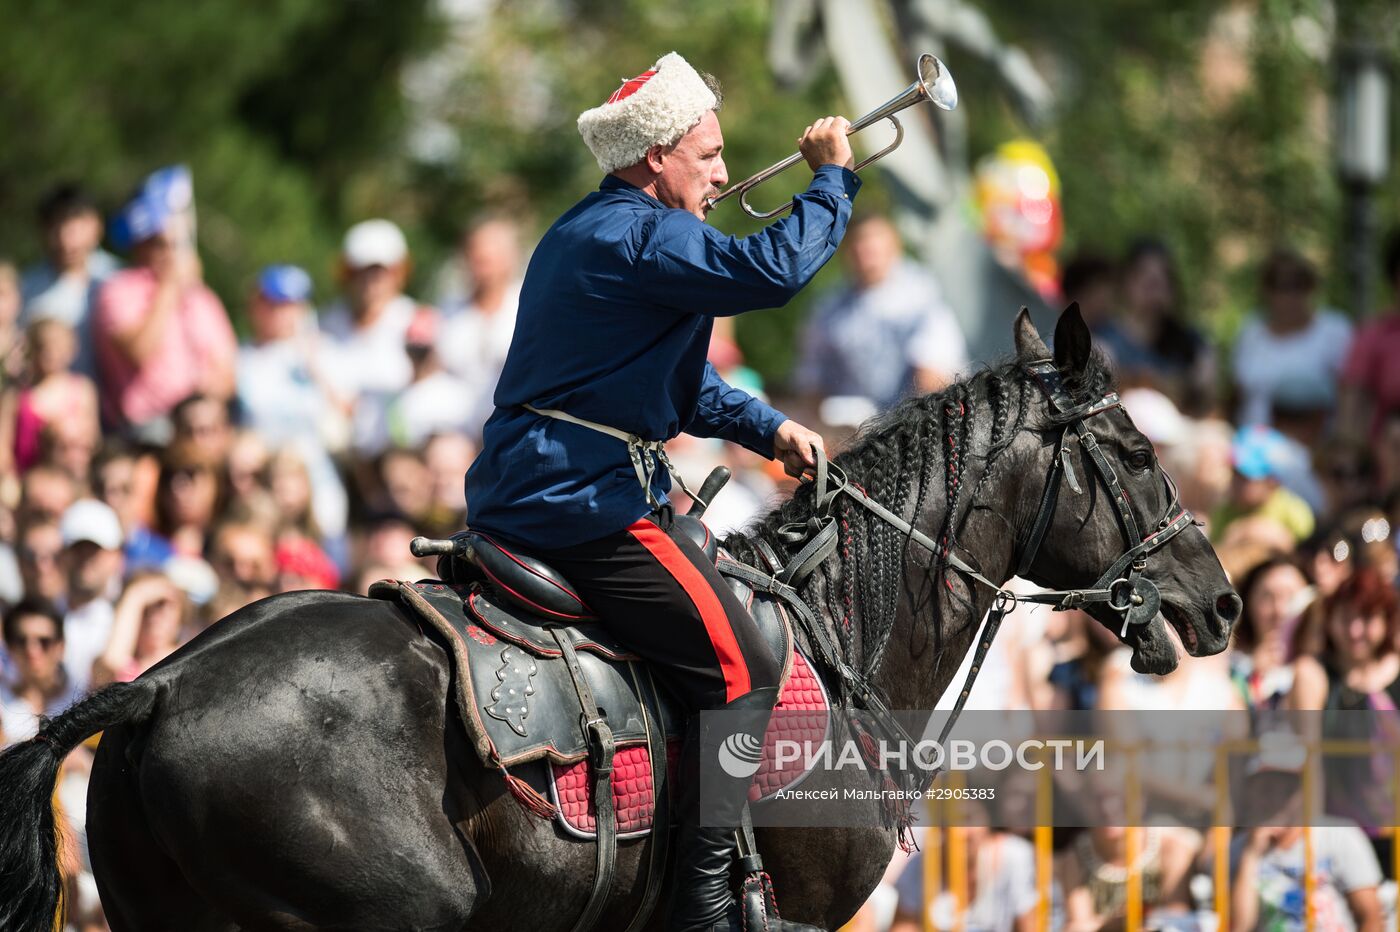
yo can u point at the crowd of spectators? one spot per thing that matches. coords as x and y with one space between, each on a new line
157 473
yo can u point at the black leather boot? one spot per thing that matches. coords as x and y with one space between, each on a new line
724 749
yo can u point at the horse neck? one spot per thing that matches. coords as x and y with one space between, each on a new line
937 612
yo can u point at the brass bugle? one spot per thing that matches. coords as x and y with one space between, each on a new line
932 82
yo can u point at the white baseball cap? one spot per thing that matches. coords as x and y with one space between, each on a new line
1156 416
89 519
374 242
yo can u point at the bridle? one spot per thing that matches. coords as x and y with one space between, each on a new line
1121 587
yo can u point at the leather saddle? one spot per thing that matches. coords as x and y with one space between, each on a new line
528 642
527 582
571 718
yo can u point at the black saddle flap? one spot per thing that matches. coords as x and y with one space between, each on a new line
532 632
519 705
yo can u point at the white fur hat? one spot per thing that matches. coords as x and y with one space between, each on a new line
657 107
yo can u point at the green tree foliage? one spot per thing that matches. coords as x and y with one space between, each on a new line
287 112
293 116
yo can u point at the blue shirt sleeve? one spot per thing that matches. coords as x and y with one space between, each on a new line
733 414
687 265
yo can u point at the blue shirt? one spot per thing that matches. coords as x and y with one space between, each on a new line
613 327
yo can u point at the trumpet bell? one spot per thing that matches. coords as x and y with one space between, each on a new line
937 83
932 82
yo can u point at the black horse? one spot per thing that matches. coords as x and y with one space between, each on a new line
296 766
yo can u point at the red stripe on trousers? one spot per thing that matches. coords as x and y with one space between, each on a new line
731 661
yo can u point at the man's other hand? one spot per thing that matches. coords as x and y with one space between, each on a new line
825 143
793 445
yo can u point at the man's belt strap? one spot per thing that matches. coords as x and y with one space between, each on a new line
646 455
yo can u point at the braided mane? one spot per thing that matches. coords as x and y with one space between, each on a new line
919 448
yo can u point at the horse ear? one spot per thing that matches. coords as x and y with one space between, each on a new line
1029 345
1072 342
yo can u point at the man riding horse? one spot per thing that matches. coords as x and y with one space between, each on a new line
608 358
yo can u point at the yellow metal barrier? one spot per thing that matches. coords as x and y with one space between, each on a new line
946 838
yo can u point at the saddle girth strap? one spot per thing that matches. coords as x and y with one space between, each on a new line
601 749
660 794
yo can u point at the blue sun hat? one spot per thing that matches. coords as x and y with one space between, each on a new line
1260 452
166 193
284 284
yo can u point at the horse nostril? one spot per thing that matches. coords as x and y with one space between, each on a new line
1228 606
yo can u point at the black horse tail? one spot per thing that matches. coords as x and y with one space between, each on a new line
31 885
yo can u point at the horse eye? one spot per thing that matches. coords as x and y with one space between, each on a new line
1140 460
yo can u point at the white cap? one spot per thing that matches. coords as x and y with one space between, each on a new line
89 519
657 107
194 576
374 242
1156 416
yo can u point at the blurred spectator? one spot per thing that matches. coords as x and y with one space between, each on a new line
385 553
1275 593
1347 471
1258 501
303 565
1001 890
1385 452
146 628
1202 464
46 493
1368 532
291 491
1175 781
278 387
1291 354
11 335
92 569
1094 869
1327 556
447 457
200 424
887 332
363 351
1063 670
1091 281
70 446
243 555
1268 860
51 395
114 482
41 572
476 332
1149 340
1371 380
401 485
246 470
39 685
161 334
188 497
434 401
1358 671
285 397
64 286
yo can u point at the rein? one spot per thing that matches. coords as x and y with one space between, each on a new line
1122 586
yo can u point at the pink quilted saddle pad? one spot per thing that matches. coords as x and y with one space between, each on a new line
800 715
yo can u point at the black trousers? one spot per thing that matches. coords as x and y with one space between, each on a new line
663 598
